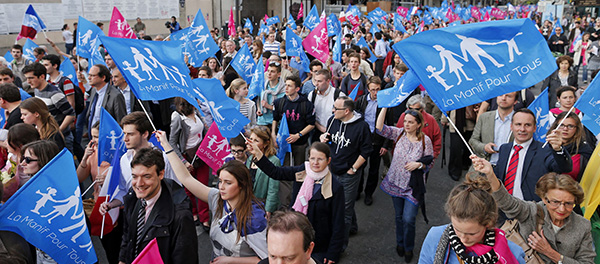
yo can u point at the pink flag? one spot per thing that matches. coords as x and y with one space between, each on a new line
266 17
475 12
402 11
119 28
317 43
214 148
497 13
149 255
486 17
231 31
300 11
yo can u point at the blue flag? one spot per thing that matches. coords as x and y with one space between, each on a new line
333 25
304 63
427 18
109 136
374 29
283 146
363 43
68 70
291 22
337 49
154 70
293 44
224 110
2 119
464 65
352 9
258 80
263 29
96 58
542 115
273 20
376 16
312 19
398 25
154 141
28 49
243 63
115 170
87 37
199 44
181 34
589 103
47 212
354 92
248 25
8 56
396 95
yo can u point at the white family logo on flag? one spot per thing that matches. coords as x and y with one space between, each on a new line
121 26
87 37
594 103
113 139
469 47
28 52
311 20
217 146
199 39
148 64
214 111
244 62
542 119
59 208
318 41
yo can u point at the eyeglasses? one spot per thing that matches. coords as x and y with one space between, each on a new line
556 204
28 160
237 151
569 127
336 109
418 109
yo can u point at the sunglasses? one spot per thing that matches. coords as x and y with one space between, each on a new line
28 160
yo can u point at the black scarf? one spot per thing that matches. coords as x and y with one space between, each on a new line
461 251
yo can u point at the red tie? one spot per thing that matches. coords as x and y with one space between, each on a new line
509 182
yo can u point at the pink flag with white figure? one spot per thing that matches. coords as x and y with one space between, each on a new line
214 148
317 43
301 11
486 17
402 11
231 31
475 12
119 28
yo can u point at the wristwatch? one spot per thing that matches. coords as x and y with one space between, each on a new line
353 169
561 259
299 134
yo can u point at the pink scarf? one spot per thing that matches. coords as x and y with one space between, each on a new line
505 256
306 191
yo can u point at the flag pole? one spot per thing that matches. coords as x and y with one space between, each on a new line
103 218
244 136
146 112
561 122
91 185
460 134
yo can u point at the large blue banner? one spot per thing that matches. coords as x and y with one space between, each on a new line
154 70
87 37
464 65
589 104
243 63
293 44
540 108
312 19
47 211
394 96
199 44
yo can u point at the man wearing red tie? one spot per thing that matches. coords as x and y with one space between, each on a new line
522 162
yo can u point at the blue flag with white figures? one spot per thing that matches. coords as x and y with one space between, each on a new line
263 29
398 24
273 20
467 64
376 16
403 88
48 213
154 70
224 110
333 25
352 9
293 44
540 108
363 43
181 34
354 92
109 136
312 19
374 29
283 146
243 63
337 49
291 22
96 58
68 70
88 37
248 25
28 49
258 81
199 44
303 64
589 103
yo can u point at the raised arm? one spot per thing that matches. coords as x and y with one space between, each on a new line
194 186
274 172
380 119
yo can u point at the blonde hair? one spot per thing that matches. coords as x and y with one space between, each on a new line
553 180
234 87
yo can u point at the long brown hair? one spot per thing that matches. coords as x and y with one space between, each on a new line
472 200
246 198
419 117
263 133
577 138
49 125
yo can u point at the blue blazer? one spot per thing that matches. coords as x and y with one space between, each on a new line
538 161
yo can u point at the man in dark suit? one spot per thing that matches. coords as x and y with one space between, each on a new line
104 95
131 102
157 208
347 44
522 162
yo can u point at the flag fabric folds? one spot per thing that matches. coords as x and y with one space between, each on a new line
67 69
293 44
28 49
300 11
32 24
540 107
354 92
291 23
283 146
337 49
589 103
243 63
333 25
214 148
467 64
312 19
87 38
248 25
47 212
231 24
119 28
590 182
258 81
394 96
149 255
317 43
199 44
273 20
363 43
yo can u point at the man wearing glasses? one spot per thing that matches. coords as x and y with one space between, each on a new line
104 95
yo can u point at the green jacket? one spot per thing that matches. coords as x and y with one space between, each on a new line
265 188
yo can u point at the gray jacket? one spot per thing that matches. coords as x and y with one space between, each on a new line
180 132
113 102
573 241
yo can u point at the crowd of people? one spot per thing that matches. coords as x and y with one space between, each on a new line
301 208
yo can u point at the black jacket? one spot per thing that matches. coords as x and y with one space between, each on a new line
553 83
377 140
325 215
170 222
349 140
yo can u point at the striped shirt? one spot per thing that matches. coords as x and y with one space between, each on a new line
56 101
65 84
273 47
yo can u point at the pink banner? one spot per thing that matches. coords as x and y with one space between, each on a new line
301 11
317 43
402 11
119 28
214 148
475 13
497 13
231 24
486 17
149 255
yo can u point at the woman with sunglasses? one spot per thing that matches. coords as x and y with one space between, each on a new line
572 133
564 237
405 180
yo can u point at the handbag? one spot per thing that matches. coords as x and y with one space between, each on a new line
511 231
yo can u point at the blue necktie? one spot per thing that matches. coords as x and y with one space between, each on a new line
92 113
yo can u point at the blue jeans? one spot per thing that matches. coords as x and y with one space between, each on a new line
585 73
406 213
350 184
